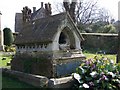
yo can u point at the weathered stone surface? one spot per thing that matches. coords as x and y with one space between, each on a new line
66 82
38 64
46 65
41 81
35 80
49 46
67 66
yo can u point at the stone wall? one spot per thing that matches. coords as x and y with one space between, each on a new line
97 42
118 54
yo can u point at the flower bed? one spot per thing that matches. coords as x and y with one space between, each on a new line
98 73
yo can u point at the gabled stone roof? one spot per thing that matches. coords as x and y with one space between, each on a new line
40 13
44 29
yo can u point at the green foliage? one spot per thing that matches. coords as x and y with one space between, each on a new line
4 60
8 36
103 27
110 56
109 29
97 27
10 49
98 73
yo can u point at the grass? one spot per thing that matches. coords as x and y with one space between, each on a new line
90 55
4 60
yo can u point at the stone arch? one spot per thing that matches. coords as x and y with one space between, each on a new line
66 39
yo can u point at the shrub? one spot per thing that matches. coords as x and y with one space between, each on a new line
8 37
98 73
10 49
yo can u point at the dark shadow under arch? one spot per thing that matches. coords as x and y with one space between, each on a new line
67 39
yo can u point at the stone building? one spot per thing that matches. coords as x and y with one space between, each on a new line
42 12
1 36
48 45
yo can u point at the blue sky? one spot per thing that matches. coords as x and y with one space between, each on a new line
10 7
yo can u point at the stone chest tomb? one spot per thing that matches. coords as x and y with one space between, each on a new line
49 46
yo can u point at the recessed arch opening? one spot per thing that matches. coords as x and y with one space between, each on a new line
66 39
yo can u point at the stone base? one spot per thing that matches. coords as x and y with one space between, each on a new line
45 64
1 48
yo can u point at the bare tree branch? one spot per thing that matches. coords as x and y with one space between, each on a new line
86 12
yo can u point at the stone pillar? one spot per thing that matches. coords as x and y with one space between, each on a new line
118 54
1 36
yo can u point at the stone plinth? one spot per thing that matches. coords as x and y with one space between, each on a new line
46 64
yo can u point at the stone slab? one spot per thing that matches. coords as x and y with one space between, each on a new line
41 81
35 80
65 82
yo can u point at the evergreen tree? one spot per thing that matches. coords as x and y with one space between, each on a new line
8 36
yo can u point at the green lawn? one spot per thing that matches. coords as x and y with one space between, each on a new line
4 60
90 55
